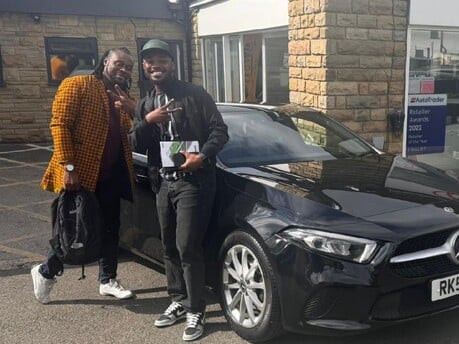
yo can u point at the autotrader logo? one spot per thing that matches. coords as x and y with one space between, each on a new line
428 99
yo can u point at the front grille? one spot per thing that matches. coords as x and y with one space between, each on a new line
408 303
424 242
424 267
320 303
339 303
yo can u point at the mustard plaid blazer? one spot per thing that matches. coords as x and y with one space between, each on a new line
79 127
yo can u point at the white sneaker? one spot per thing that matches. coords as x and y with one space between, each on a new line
41 286
174 312
114 288
194 326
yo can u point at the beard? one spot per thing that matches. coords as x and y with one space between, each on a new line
124 85
159 77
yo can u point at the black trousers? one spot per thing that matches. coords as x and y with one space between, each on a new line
108 194
184 209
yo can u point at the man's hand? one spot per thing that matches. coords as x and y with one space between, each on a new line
161 114
193 162
71 181
122 101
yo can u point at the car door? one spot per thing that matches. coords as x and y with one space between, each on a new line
140 231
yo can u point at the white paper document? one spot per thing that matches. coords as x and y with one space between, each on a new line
169 148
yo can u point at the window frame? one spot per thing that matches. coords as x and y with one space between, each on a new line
411 44
226 63
211 49
74 48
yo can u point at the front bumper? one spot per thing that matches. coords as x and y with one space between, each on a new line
327 296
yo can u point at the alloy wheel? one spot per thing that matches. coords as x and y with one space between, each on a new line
244 286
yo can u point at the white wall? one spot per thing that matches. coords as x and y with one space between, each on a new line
434 12
241 15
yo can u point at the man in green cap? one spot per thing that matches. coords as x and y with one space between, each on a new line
179 111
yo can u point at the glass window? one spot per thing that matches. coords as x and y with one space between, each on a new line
235 70
65 55
253 68
176 48
214 73
276 70
262 137
256 68
433 131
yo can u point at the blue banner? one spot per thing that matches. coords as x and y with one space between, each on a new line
426 120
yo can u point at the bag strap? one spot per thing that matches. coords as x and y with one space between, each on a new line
83 276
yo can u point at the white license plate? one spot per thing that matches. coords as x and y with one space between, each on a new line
445 287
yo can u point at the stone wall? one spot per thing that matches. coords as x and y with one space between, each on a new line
347 58
196 59
26 98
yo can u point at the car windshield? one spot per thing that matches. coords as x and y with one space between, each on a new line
264 137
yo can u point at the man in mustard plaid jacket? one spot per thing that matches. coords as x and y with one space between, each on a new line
90 121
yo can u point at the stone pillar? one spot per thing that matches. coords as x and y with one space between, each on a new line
347 59
196 58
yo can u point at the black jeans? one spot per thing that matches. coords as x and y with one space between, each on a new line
184 210
108 195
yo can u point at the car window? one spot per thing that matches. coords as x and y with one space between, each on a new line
259 137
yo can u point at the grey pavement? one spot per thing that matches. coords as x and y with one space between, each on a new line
78 314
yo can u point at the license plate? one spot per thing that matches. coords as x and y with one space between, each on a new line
445 287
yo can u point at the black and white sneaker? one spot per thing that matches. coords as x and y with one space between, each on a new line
174 312
194 325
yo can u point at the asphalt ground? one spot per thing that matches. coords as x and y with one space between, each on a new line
78 314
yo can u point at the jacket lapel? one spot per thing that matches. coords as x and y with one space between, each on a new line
102 93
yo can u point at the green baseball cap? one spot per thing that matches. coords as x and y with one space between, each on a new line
155 44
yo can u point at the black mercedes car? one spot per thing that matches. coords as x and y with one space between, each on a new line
314 230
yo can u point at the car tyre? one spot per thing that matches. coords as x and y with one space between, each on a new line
248 288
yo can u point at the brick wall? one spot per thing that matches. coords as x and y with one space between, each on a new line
26 99
347 58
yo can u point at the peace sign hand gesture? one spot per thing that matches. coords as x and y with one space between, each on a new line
162 114
122 100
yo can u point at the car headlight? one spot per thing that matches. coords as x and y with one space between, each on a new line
343 246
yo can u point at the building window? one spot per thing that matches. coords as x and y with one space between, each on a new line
213 66
176 48
66 55
432 127
253 68
235 49
276 69
2 82
247 68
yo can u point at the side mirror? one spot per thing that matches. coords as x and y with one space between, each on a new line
396 118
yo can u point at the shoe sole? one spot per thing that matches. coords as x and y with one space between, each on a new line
35 282
119 298
170 322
